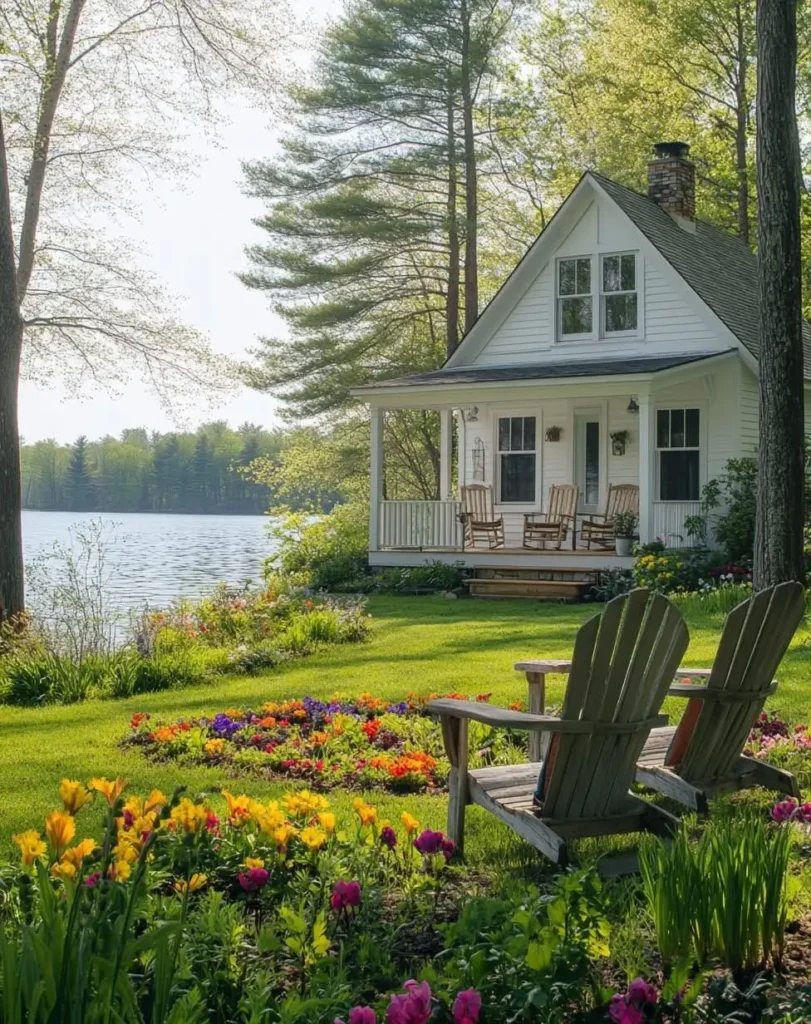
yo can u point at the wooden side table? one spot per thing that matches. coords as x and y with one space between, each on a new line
536 672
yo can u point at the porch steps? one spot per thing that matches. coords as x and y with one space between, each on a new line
539 584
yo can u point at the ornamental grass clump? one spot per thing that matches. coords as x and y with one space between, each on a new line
721 897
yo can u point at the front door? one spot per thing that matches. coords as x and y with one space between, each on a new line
587 459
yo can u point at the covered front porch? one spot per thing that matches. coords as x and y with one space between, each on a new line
647 431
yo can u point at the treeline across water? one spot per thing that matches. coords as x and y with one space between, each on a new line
199 472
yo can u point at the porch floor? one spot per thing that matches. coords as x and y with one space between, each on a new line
505 558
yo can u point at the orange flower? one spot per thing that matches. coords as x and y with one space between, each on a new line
165 734
60 828
76 854
110 790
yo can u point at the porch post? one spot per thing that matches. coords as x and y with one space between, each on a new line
647 468
445 453
461 452
375 476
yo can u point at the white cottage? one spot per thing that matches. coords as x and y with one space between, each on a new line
626 317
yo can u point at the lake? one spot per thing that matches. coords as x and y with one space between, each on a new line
157 558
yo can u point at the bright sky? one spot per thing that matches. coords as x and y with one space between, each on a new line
195 239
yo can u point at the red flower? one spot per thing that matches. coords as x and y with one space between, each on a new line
138 717
253 879
212 822
371 728
184 726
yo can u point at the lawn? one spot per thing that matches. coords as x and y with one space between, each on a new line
422 644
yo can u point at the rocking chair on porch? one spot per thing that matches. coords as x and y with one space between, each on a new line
480 519
599 529
552 526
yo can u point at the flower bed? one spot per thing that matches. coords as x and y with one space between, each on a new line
361 743
782 745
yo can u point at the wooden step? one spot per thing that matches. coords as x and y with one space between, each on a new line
524 572
566 590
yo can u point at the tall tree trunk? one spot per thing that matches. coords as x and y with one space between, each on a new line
471 180
779 530
452 301
741 128
12 595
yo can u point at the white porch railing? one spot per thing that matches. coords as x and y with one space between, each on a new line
421 525
668 522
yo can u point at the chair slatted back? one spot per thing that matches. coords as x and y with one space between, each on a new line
623 663
622 498
478 502
562 502
756 636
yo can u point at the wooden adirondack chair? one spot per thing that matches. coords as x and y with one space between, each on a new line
553 525
599 529
480 519
702 756
622 665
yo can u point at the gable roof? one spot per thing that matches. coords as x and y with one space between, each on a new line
720 268
546 371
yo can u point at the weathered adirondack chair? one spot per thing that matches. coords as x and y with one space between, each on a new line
553 525
480 519
702 756
622 665
599 529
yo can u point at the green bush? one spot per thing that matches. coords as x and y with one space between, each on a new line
735 495
670 570
325 553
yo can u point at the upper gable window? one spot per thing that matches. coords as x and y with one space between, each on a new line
575 305
619 297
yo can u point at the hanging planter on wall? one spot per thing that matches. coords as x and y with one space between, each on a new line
619 439
553 433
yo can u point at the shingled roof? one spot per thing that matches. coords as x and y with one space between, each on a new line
719 268
546 371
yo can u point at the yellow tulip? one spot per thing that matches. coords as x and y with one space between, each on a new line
31 846
313 838
76 854
109 789
60 828
411 824
239 807
283 834
120 871
73 795
189 816
63 869
197 881
327 821
254 862
155 801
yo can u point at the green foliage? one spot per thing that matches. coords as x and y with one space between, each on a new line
713 600
200 472
612 582
669 570
413 579
324 553
723 895
735 494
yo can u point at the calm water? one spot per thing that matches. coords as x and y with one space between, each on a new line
156 558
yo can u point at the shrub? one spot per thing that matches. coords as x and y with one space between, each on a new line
669 570
325 553
434 576
735 494
612 583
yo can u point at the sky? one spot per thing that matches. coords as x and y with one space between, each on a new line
194 239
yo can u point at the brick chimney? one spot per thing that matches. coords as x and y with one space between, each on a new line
672 181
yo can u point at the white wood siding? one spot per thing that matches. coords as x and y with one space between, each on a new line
749 411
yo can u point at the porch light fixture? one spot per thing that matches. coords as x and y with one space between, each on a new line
633 407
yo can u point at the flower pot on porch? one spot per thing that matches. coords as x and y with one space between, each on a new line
625 545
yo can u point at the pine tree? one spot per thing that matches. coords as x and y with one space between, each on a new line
80 489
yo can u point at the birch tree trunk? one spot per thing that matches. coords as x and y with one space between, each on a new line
779 529
12 597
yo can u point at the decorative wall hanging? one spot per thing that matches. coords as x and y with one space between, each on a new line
619 439
471 413
478 459
553 433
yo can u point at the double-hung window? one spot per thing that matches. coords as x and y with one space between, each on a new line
618 298
575 302
517 458
677 451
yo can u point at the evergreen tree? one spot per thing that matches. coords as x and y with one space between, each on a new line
80 490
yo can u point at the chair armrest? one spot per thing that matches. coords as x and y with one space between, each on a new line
504 718
687 690
691 690
550 665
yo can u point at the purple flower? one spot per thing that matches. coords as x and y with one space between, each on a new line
429 842
92 880
397 709
785 810
467 1007
362 1015
630 1008
225 726
345 895
253 879
388 837
448 848
640 992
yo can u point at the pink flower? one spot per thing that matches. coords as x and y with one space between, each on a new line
629 1009
212 822
411 1007
621 1013
362 1015
344 895
92 880
641 992
784 811
253 879
467 1007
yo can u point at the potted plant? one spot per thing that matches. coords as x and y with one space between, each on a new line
625 531
619 439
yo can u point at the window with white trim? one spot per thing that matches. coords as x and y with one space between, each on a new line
677 453
575 312
618 294
517 457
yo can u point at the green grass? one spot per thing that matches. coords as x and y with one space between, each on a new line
423 644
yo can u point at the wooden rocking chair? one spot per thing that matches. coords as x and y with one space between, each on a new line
623 663
480 519
702 756
599 529
553 525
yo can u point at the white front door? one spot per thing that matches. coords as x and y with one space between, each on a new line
587 446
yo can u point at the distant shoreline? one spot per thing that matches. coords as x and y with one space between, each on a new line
145 512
